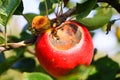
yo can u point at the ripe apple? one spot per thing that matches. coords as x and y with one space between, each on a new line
62 49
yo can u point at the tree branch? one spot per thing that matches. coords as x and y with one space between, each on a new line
18 44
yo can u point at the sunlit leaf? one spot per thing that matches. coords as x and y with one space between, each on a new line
11 75
36 76
84 9
2 40
79 73
7 8
102 17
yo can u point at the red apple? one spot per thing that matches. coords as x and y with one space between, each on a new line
61 50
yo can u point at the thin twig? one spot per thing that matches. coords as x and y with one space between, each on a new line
31 51
46 7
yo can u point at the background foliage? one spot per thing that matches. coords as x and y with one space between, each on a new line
21 64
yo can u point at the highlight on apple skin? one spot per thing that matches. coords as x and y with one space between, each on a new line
61 50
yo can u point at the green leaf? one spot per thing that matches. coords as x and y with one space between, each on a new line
84 9
80 73
20 51
25 34
2 40
24 65
43 9
29 17
55 1
39 68
106 69
7 8
36 76
19 9
7 64
100 19
13 39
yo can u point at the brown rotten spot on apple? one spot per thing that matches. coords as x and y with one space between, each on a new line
68 36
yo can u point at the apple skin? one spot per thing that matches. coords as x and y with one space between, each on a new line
59 62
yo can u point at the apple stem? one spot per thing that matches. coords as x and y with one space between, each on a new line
54 31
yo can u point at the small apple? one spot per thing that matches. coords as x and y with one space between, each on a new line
64 48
